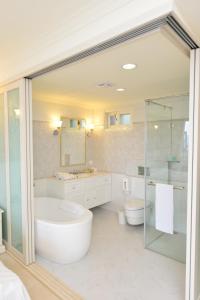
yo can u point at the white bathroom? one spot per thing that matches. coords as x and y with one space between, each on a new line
110 157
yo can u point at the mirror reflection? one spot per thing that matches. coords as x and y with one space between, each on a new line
72 142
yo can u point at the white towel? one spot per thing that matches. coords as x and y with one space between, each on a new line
64 176
164 208
11 287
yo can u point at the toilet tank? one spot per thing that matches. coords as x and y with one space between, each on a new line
137 188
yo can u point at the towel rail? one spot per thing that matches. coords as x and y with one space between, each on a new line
180 188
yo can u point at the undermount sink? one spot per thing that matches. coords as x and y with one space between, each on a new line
82 174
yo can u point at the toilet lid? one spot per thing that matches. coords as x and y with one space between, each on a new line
135 204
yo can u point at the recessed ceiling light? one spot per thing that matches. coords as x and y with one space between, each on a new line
129 66
120 90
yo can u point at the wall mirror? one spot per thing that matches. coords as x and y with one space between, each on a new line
72 142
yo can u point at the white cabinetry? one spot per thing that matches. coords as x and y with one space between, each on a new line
91 191
74 191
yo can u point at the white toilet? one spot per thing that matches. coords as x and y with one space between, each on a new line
134 211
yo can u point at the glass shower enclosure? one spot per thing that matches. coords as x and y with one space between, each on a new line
166 161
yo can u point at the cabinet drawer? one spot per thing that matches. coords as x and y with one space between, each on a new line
90 199
97 181
98 196
74 187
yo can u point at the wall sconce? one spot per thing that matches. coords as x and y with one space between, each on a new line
57 124
89 129
17 112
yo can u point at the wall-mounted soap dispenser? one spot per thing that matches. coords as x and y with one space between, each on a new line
125 185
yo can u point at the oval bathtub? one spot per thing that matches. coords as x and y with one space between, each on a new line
62 229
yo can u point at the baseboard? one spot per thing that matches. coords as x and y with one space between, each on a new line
2 249
57 287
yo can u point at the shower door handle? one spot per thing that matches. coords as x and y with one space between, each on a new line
176 187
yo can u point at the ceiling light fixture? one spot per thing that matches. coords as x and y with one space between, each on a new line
129 66
105 84
120 90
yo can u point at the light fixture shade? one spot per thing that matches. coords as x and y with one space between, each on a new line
57 123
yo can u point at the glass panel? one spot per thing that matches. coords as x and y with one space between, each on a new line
14 168
3 203
125 119
167 160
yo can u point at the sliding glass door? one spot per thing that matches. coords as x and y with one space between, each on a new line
15 182
16 169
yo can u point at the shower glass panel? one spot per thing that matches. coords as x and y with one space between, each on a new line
3 203
166 156
14 168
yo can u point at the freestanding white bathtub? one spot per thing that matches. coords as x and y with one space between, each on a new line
62 230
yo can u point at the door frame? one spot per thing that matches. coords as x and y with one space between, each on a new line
193 202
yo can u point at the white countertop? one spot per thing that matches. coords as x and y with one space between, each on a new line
83 176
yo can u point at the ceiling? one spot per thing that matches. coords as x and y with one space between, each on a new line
162 70
189 11
37 33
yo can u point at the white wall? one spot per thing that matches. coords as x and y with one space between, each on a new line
118 151
136 191
46 146
45 111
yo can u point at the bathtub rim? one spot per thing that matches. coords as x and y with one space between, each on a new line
86 217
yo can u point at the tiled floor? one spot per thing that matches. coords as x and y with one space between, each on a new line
118 267
36 289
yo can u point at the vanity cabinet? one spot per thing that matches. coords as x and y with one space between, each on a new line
90 191
98 196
